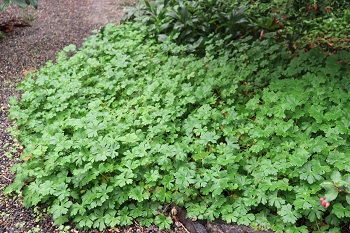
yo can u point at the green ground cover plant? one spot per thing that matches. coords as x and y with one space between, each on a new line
118 129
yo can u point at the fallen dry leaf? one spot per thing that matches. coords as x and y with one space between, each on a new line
29 71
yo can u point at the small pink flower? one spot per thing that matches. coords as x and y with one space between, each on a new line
284 17
324 202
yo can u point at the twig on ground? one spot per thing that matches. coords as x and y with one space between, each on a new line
6 178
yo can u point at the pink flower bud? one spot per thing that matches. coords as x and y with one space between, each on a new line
324 203
327 204
322 199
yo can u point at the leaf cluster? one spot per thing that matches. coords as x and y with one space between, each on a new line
190 23
20 3
122 126
304 24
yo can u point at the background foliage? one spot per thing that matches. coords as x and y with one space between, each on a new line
190 23
21 3
306 24
303 24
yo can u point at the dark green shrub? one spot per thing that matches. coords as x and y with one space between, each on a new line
21 3
192 22
119 128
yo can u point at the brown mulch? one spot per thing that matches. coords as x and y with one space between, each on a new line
31 39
